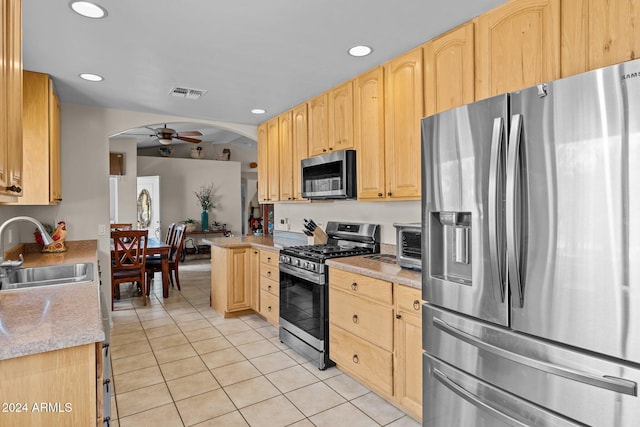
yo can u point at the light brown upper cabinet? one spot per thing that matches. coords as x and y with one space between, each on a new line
286 156
318 126
449 75
598 33
404 108
263 163
273 144
11 184
369 134
41 141
341 117
517 46
300 134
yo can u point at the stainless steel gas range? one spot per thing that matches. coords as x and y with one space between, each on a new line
304 290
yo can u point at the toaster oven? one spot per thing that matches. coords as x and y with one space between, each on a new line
409 245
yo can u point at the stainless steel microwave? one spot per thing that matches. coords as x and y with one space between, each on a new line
330 176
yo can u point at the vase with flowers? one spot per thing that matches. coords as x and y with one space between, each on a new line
205 200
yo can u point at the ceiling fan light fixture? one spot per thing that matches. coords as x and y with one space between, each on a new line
88 9
164 141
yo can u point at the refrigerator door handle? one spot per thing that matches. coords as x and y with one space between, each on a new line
475 400
515 280
618 385
494 191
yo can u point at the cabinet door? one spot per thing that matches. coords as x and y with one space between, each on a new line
238 279
403 111
408 350
273 142
300 134
369 134
318 129
55 186
518 45
11 99
341 117
286 156
449 75
263 163
254 285
598 33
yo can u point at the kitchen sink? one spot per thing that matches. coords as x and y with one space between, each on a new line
48 275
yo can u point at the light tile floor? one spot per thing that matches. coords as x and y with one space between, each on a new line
177 362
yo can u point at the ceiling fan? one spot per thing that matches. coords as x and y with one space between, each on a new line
165 135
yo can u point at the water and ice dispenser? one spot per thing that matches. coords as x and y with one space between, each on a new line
450 251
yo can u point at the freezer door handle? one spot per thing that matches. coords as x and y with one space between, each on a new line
494 201
618 385
515 280
475 400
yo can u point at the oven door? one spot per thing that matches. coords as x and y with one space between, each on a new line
303 305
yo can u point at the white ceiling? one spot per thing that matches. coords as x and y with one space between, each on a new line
247 54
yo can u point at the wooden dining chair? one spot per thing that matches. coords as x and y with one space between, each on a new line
129 256
169 237
154 264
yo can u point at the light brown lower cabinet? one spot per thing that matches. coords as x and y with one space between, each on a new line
230 280
269 287
375 336
56 388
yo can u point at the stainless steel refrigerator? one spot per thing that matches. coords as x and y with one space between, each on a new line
531 273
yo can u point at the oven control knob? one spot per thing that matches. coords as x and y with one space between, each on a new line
283 258
296 262
312 267
287 259
306 265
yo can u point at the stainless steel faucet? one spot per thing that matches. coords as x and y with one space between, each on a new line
6 265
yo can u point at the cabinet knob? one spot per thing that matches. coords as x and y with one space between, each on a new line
354 286
288 198
355 318
15 189
398 316
330 148
416 304
269 273
324 150
255 252
268 287
356 359
269 308
389 193
380 194
269 259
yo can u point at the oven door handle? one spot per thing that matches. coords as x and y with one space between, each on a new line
309 276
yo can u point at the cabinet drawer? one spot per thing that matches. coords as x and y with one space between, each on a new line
270 307
364 286
270 258
270 286
270 272
365 319
408 299
370 364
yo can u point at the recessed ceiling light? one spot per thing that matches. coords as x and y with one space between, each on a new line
258 111
91 77
88 9
360 50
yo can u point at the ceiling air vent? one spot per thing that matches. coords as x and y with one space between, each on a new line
185 92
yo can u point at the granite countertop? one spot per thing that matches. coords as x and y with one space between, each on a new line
378 269
260 242
41 319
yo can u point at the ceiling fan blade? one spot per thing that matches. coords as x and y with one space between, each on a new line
189 133
184 138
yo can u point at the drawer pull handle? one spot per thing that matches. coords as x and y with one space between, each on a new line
268 273
354 286
268 287
269 308
416 305
268 259
356 359
355 318
15 189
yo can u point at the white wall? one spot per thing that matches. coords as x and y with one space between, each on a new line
179 178
127 183
383 213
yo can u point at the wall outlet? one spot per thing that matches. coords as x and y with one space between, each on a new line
102 230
